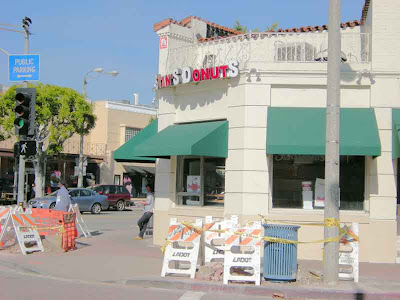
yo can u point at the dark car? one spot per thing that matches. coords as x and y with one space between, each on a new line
118 196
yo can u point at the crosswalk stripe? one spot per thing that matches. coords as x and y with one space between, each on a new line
192 296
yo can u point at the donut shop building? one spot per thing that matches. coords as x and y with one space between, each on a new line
241 127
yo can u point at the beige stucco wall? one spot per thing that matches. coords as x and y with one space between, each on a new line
112 120
248 179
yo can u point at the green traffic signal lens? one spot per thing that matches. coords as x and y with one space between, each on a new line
21 123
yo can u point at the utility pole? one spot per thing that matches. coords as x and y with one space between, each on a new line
332 156
80 174
21 170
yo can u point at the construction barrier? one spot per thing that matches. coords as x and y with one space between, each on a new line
182 248
349 258
241 247
52 222
74 208
242 254
214 237
17 227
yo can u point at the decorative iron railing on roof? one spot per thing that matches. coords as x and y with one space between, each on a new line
259 48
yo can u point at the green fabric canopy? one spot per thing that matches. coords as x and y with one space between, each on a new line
302 131
125 153
200 139
395 133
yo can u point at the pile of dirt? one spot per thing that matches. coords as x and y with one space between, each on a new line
51 244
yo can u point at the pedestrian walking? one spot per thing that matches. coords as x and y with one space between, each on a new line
63 199
147 214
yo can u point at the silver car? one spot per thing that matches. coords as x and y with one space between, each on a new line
87 200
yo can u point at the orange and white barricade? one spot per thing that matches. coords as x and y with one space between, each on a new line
22 227
214 237
242 254
182 248
349 255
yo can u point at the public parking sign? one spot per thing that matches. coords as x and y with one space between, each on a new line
24 67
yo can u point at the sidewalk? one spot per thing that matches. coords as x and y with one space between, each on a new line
117 258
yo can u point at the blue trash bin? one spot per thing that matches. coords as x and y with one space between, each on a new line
280 260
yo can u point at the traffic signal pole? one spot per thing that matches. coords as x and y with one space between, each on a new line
21 168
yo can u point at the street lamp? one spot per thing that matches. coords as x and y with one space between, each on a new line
113 73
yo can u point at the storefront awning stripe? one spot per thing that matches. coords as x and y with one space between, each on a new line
395 133
302 131
200 139
125 153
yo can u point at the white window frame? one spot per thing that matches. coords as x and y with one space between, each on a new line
134 130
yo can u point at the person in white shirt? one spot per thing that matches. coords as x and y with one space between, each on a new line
148 213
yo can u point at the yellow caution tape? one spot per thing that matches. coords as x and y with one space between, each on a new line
164 247
328 222
61 229
331 222
191 227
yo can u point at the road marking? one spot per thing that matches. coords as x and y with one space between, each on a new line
192 296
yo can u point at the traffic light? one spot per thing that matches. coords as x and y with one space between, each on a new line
25 111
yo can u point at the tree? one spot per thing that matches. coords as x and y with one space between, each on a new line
239 27
273 27
60 112
243 29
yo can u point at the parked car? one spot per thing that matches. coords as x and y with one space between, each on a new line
118 196
87 200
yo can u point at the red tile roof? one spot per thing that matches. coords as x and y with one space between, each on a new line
318 28
186 23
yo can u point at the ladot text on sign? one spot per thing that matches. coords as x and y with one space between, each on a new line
187 74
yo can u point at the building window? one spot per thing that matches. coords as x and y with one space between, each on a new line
294 52
117 179
298 182
130 133
201 181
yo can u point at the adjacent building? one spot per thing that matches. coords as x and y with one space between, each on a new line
241 126
117 122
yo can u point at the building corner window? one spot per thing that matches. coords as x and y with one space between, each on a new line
298 182
200 181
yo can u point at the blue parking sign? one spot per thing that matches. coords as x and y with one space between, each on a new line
24 67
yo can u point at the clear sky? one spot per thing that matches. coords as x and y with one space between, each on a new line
75 36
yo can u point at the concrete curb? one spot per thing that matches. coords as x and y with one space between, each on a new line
291 292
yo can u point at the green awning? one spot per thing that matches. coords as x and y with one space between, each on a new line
302 131
395 133
125 153
200 139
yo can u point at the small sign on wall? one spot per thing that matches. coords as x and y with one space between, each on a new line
163 42
193 184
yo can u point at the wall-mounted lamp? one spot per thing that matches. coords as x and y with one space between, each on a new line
366 73
253 71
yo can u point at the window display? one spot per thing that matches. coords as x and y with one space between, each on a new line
200 181
298 182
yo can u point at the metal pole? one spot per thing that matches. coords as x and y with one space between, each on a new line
332 157
21 170
80 174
